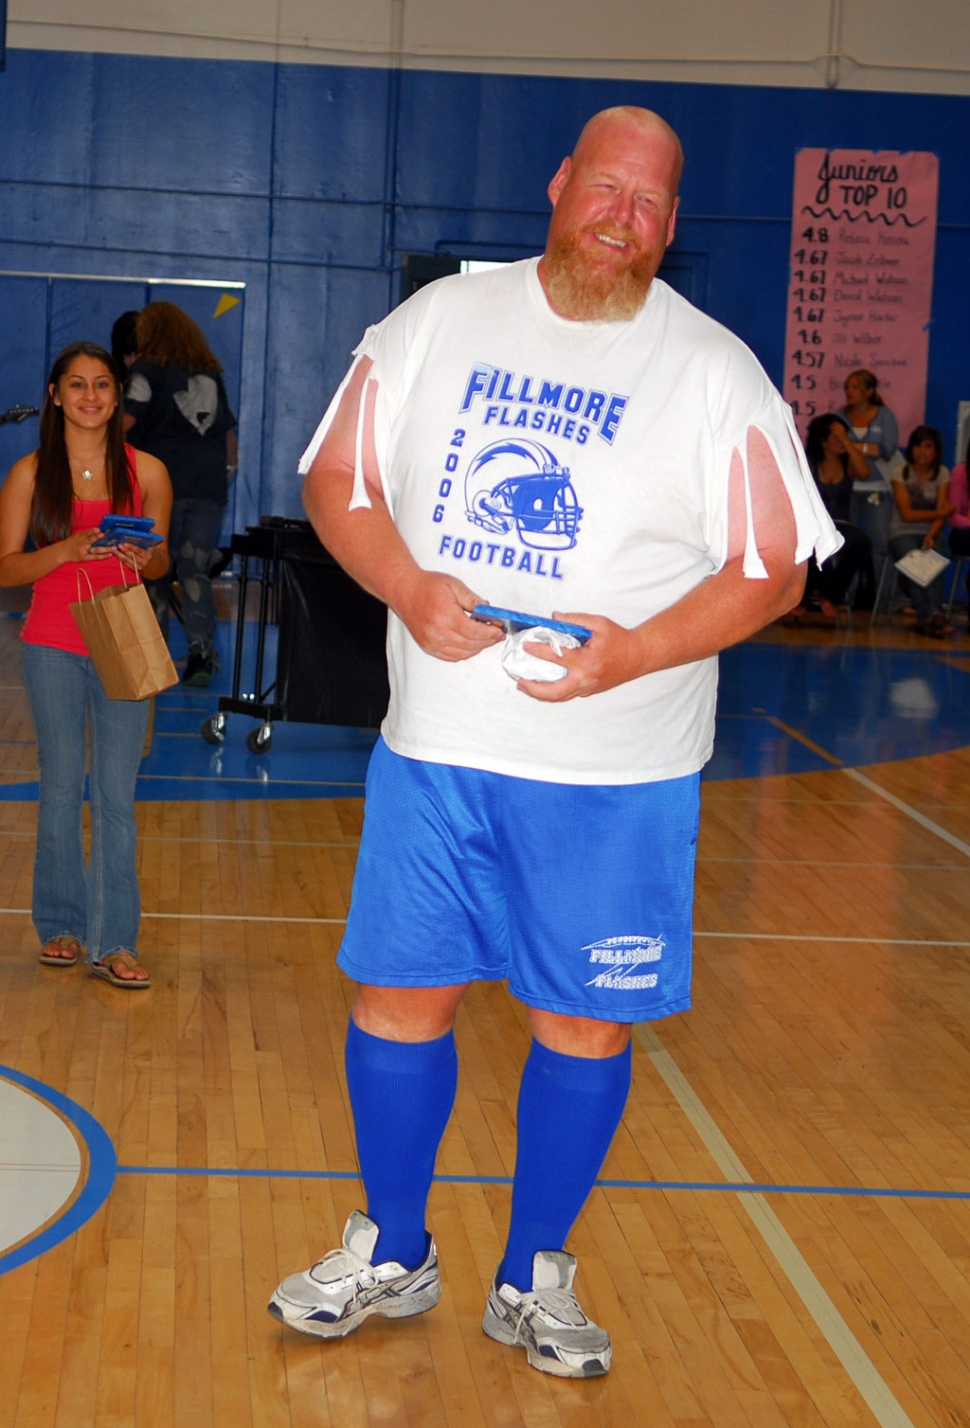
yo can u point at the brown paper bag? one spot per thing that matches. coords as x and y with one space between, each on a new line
119 627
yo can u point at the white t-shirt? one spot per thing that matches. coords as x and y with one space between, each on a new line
558 465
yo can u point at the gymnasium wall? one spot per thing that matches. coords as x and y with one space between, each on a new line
309 181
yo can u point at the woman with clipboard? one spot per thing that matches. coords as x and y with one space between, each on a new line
921 493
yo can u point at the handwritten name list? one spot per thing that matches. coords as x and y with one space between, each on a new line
863 237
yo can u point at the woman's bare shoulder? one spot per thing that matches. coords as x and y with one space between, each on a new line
22 473
150 470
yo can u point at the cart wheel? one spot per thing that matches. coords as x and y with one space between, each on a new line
258 740
214 729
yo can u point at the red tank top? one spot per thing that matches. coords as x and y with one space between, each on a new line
49 620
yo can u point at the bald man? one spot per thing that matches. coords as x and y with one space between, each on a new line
568 440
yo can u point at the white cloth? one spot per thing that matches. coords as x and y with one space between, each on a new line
518 663
558 466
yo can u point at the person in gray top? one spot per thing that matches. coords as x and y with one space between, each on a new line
921 505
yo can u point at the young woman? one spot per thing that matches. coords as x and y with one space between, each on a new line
58 495
176 408
921 490
960 520
835 462
874 432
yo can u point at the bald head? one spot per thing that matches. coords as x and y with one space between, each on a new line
614 211
655 133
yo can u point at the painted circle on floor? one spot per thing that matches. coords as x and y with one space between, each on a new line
46 1189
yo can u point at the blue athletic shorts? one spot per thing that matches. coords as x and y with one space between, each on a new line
581 896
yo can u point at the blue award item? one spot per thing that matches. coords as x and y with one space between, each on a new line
512 621
126 530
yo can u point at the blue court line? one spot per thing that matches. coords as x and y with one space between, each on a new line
27 792
734 1187
160 788
102 1167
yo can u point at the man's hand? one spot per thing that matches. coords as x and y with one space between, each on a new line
613 656
435 608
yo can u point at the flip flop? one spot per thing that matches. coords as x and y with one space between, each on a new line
65 941
104 970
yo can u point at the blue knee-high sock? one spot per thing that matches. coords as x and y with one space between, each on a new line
569 1109
401 1093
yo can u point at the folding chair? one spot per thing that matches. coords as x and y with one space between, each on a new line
961 561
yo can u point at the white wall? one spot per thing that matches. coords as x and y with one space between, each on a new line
896 45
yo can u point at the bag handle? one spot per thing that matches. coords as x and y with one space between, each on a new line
81 571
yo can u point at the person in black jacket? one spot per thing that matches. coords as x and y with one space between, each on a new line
835 463
176 409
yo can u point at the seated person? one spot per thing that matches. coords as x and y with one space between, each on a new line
960 519
921 492
835 462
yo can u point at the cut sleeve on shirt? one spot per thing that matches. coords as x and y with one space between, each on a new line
815 532
370 396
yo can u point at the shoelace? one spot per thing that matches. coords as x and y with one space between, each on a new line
351 1264
553 1301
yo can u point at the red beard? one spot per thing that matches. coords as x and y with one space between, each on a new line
590 286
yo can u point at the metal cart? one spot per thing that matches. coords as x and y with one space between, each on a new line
331 666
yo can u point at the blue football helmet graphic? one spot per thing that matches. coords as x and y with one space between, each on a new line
519 485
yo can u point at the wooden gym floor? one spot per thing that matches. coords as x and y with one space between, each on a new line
782 1231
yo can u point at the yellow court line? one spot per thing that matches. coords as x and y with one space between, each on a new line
873 787
349 843
208 917
803 739
861 1370
815 938
910 812
771 800
353 843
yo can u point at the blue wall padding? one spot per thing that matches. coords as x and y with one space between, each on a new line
309 182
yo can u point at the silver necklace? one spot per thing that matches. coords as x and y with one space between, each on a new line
87 474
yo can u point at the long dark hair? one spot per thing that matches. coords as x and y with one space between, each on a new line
816 437
52 505
124 337
168 336
925 433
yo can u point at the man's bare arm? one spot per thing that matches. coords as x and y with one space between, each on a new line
369 547
720 611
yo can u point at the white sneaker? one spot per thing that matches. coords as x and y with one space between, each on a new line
337 1294
548 1323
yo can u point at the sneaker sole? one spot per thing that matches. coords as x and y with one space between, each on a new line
339 1328
498 1330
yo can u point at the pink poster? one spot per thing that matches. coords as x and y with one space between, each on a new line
863 235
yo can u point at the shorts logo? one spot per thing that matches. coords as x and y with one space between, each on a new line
623 955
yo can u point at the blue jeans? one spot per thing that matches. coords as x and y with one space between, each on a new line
192 537
927 598
100 904
875 519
